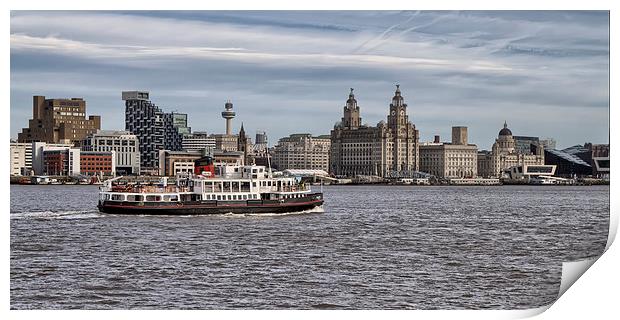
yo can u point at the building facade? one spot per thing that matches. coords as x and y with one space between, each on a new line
123 143
225 142
155 129
457 159
38 149
548 143
74 162
173 162
21 158
98 163
302 151
59 121
198 141
504 155
387 150
523 144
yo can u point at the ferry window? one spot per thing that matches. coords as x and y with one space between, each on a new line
245 186
174 198
254 184
227 186
229 197
219 197
117 197
153 198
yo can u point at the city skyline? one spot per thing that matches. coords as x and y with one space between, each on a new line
545 73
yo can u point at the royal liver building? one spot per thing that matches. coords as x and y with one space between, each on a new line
387 150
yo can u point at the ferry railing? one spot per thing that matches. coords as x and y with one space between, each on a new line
148 189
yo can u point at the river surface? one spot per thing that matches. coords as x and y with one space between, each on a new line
373 247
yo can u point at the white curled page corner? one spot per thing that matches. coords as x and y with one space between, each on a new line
572 270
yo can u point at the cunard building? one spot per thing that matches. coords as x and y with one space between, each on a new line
386 150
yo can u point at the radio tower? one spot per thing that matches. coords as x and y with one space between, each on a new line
228 114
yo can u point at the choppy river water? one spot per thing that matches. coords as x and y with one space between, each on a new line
373 247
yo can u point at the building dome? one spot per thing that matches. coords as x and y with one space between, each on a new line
505 131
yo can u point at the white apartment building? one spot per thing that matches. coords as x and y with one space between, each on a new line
198 141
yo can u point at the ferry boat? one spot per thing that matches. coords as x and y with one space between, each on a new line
210 189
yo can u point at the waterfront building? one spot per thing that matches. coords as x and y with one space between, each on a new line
21 158
548 143
198 141
224 157
59 121
386 150
457 159
74 162
175 127
38 148
225 142
523 144
568 164
123 143
599 154
155 129
504 155
302 151
173 162
534 174
98 163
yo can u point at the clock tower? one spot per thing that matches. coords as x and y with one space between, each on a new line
351 117
404 135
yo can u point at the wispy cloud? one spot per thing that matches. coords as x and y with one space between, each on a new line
289 66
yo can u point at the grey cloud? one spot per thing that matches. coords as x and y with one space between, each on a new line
287 67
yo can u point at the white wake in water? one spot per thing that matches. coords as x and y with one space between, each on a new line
84 214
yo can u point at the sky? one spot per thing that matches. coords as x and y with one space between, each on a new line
544 72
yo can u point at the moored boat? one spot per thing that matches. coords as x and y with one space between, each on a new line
210 190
